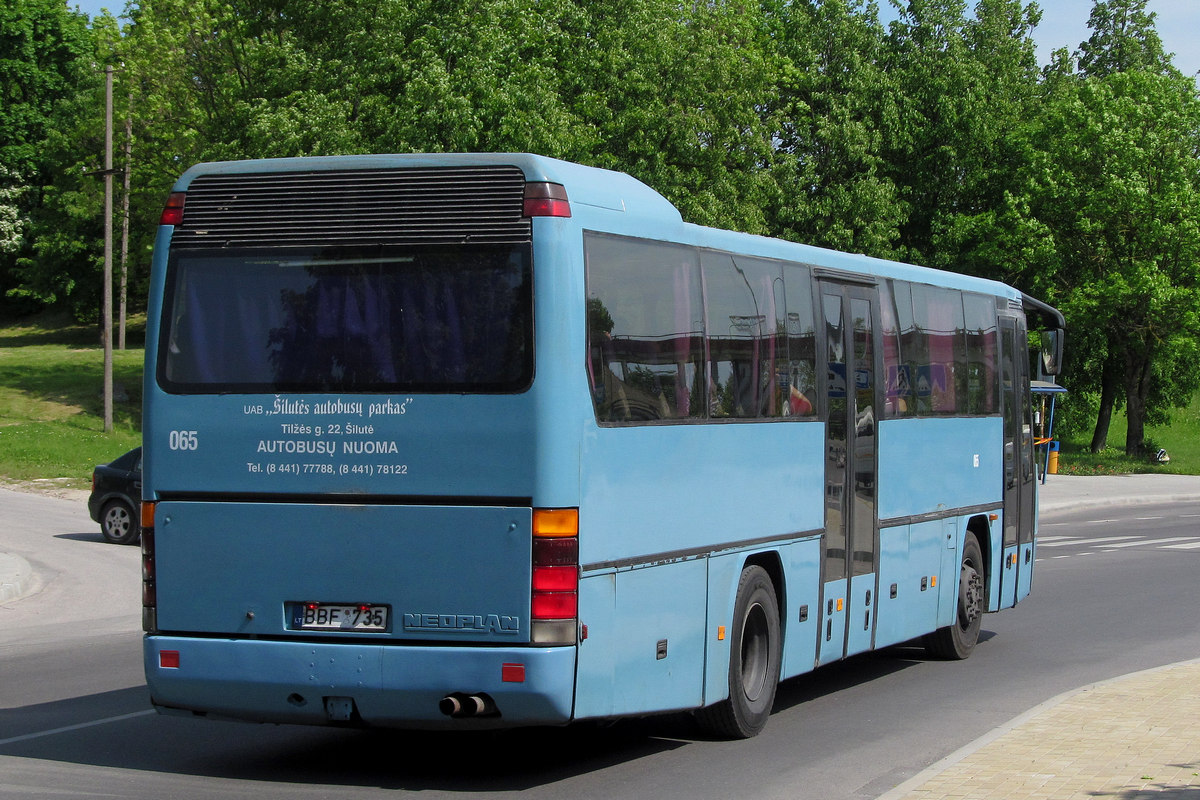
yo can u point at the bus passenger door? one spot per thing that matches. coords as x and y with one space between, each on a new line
1016 565
849 592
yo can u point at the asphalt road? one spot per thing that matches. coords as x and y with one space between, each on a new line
74 719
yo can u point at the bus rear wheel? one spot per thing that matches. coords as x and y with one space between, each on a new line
956 641
754 661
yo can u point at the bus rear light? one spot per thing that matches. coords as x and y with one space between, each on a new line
546 200
512 673
554 585
555 579
562 552
554 605
149 572
554 522
168 659
553 632
173 212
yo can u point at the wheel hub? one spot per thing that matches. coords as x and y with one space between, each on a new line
970 594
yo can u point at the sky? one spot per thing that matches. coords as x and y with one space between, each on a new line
1064 24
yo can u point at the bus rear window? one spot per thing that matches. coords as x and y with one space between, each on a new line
433 319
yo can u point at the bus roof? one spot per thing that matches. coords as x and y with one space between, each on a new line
617 192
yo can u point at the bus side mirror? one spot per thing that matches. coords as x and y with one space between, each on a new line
1052 351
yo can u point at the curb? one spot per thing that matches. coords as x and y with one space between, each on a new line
937 768
16 577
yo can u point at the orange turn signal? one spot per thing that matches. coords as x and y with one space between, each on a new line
556 522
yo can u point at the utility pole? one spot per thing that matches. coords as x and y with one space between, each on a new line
106 311
125 222
108 235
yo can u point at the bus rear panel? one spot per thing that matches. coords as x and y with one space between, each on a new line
341 429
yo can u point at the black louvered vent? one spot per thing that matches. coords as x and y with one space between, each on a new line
383 206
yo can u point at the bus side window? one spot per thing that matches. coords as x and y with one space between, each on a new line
645 330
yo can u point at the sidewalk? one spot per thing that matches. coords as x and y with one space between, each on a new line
1131 738
1067 492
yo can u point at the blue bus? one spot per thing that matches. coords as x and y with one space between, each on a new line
463 441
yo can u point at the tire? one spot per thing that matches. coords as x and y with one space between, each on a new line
118 523
754 661
955 642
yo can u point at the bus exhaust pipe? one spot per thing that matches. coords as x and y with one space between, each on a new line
461 706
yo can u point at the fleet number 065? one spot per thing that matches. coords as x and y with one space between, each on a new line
183 440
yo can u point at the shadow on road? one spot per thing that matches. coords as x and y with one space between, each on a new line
82 731
92 537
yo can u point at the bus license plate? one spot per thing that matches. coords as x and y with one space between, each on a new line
336 617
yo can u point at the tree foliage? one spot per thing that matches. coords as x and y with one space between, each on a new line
936 138
46 64
1115 184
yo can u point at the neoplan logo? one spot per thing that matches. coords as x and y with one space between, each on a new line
462 623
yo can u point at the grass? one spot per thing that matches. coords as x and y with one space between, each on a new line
1181 440
52 405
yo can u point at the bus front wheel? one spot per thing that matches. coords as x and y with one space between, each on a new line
956 641
754 661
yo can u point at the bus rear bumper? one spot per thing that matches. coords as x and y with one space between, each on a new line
358 683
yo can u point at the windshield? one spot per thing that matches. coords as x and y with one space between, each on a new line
383 319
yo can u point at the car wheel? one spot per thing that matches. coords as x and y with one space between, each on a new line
118 523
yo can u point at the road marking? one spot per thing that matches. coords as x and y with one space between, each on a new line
1151 542
1055 538
1188 546
67 729
1100 539
1083 540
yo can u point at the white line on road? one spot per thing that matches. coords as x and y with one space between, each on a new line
40 734
1189 546
1078 540
1151 542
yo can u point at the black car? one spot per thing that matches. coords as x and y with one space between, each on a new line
116 500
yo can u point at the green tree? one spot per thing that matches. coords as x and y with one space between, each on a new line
45 58
674 93
832 99
1124 39
967 86
270 79
1119 188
